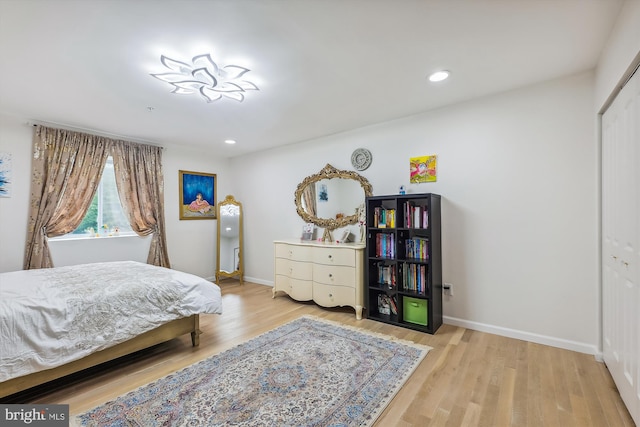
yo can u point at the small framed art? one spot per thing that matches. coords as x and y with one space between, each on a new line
308 231
423 169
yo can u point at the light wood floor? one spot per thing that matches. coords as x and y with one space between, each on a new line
468 379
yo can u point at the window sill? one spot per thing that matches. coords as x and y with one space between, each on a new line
91 237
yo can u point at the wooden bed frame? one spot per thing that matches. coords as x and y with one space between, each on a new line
161 334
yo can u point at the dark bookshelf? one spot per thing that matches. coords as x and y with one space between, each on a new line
403 274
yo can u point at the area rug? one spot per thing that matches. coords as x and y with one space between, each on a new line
309 372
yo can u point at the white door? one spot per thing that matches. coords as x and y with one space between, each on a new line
621 242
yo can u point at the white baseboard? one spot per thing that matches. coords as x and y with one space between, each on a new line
259 281
499 330
246 279
526 336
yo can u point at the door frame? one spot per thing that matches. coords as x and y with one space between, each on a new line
633 69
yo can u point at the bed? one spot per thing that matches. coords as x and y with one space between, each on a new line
57 321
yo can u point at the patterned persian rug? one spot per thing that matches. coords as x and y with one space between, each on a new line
309 372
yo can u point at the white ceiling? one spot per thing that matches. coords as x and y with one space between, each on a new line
322 66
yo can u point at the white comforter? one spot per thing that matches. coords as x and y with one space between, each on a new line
52 316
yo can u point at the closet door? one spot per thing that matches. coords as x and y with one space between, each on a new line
620 242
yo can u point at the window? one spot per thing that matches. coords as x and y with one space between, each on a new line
105 213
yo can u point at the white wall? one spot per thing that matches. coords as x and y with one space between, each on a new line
516 172
15 138
623 45
191 242
102 249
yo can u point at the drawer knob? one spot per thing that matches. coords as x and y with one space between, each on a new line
330 275
330 257
330 295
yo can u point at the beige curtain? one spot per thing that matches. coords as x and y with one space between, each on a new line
66 170
309 196
140 182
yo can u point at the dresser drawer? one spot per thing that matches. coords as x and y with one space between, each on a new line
294 252
334 275
294 269
332 296
335 256
301 290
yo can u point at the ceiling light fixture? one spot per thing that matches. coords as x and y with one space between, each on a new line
204 77
439 76
229 141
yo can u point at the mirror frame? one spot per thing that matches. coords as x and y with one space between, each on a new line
329 172
229 200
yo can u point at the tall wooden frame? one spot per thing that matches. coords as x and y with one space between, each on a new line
229 254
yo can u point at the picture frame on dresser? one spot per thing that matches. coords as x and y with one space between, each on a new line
308 232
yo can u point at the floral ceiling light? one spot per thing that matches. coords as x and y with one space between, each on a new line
205 78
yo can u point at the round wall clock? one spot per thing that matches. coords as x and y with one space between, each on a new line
361 159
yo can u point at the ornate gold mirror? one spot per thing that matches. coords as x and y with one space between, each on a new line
229 253
331 197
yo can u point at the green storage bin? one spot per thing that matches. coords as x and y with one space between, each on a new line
414 310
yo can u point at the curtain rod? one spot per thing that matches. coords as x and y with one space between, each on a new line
91 131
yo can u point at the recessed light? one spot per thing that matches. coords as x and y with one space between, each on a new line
229 141
439 76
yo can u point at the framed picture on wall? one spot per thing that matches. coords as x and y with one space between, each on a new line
423 169
197 195
5 174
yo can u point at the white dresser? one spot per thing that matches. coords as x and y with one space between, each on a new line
331 274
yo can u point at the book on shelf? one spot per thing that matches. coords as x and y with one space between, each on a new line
387 275
384 307
415 216
414 278
387 304
391 218
417 247
385 245
384 218
393 304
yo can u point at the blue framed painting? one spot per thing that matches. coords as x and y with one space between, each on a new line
5 174
197 195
